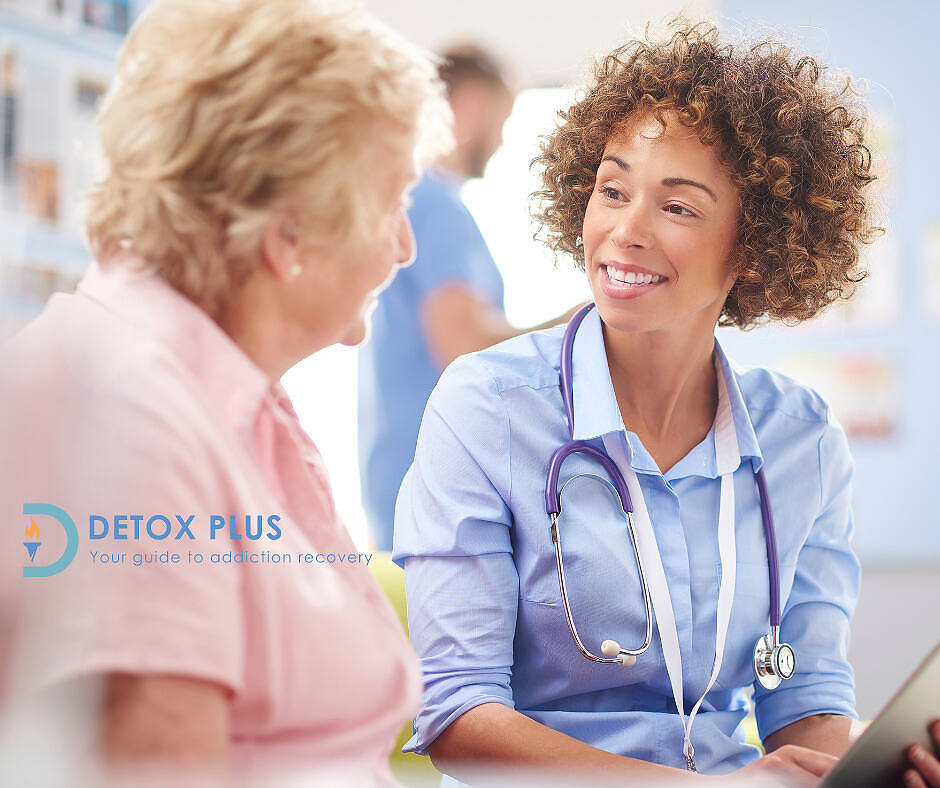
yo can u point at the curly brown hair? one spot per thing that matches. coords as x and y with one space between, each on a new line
792 138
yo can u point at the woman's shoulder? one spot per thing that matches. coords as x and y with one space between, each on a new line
796 430
77 370
527 361
79 352
765 389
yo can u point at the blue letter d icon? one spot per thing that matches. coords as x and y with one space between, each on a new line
71 534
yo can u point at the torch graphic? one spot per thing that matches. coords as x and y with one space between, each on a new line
32 539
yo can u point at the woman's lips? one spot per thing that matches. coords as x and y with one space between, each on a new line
616 283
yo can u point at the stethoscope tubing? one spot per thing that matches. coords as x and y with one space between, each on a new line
770 538
560 565
572 446
553 494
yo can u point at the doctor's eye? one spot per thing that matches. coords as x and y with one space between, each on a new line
679 210
612 194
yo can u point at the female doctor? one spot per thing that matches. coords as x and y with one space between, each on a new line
696 184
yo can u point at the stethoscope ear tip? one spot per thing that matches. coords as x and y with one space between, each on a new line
611 648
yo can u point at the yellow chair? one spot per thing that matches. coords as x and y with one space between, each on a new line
750 732
417 770
408 768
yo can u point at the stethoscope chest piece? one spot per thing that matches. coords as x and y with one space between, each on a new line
773 662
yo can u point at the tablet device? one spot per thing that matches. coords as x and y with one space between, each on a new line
878 758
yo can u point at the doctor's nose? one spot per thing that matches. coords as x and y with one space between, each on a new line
633 227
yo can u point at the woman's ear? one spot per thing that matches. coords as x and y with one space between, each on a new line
735 265
280 247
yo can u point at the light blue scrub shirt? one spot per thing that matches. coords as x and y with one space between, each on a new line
396 369
484 606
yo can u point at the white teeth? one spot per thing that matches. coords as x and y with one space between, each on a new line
632 278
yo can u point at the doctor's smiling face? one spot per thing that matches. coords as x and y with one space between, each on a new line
660 230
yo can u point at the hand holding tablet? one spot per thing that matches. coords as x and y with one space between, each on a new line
905 734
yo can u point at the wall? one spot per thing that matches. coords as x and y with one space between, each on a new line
550 42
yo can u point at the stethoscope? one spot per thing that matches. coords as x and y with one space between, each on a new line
773 661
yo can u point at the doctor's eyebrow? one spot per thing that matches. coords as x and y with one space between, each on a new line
687 182
666 181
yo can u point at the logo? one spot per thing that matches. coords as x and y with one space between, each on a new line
33 540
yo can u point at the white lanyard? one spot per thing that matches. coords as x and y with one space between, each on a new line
728 458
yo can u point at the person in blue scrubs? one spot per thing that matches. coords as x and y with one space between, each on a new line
449 302
695 183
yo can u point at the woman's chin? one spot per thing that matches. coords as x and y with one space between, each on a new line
624 317
356 334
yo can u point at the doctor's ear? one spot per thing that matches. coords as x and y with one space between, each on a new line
737 265
280 247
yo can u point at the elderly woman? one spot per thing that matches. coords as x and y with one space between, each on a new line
185 553
695 183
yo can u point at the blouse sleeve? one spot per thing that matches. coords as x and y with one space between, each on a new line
452 538
816 616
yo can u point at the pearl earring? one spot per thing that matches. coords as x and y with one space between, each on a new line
295 270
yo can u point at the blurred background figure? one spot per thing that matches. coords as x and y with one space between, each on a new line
450 302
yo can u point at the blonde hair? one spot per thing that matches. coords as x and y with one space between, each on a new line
223 111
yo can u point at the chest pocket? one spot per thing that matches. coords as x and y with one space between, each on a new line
601 573
750 620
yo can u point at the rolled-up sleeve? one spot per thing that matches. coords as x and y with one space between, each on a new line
452 538
821 603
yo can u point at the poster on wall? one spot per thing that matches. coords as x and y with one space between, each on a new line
9 118
39 187
110 15
877 301
37 152
861 388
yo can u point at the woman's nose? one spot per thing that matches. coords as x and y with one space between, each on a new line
633 226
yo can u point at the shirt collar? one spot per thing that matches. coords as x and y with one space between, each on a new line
234 385
597 413
747 438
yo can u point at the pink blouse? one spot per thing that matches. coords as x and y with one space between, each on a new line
126 406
